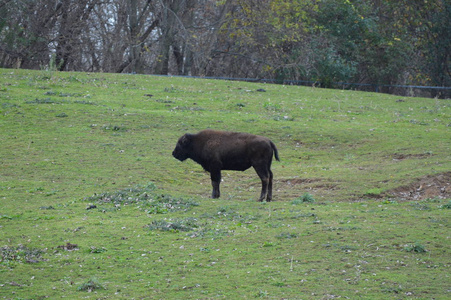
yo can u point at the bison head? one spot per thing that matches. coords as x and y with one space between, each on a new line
182 149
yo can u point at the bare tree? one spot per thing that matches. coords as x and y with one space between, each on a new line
24 32
141 23
72 21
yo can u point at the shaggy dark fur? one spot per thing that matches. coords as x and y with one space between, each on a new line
222 150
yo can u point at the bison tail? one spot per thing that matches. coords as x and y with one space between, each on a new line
276 153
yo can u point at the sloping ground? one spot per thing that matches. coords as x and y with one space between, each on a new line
433 186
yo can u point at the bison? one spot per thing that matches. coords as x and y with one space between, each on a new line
223 150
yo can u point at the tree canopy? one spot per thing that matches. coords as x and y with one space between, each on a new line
380 42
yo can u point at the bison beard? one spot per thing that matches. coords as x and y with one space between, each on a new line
222 150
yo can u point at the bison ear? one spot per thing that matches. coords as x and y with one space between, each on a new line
185 139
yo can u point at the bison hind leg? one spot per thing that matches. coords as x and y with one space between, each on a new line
265 175
269 194
215 176
215 193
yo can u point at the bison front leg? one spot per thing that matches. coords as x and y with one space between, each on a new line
215 181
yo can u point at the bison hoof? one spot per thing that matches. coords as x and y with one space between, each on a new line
262 199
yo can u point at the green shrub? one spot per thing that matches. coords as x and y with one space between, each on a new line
417 247
91 285
307 197
447 205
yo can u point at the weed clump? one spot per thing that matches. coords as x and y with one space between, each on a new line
175 225
126 196
420 206
162 204
91 285
19 254
209 233
230 213
43 101
306 198
446 206
374 193
286 235
145 197
94 249
114 128
417 248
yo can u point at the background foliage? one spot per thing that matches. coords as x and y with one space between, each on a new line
360 41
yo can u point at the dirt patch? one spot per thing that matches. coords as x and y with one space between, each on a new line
296 181
401 156
69 247
293 188
433 186
312 183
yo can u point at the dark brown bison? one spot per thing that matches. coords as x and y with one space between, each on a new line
222 150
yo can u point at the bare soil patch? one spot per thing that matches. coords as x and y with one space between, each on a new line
295 187
432 186
309 183
296 181
402 156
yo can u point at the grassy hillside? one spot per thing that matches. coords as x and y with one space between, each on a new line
93 201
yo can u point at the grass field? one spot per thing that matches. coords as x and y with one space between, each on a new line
93 205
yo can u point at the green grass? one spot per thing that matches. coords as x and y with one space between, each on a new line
94 206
